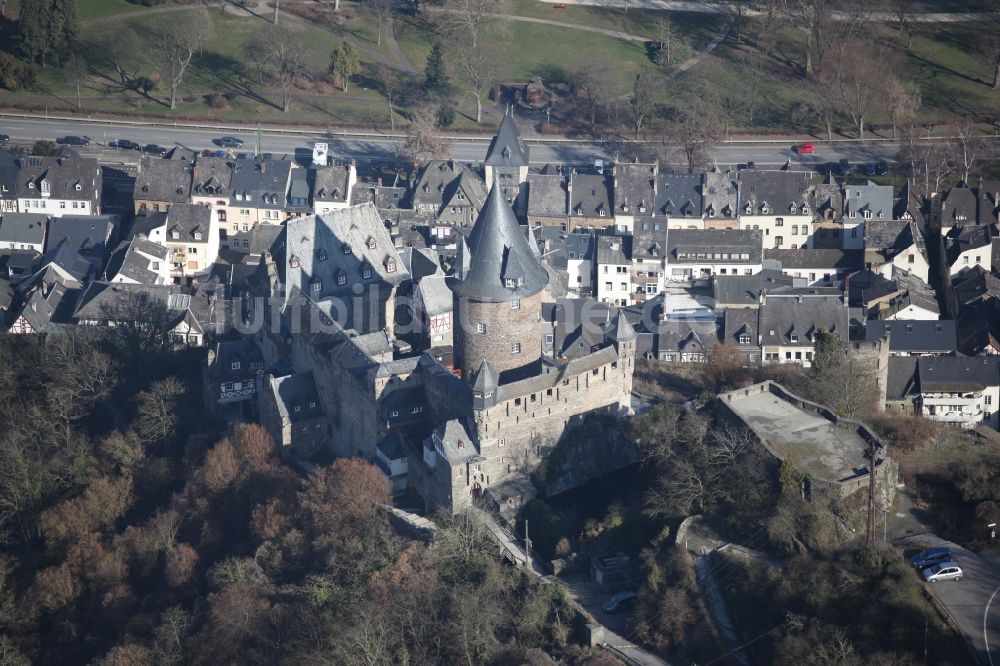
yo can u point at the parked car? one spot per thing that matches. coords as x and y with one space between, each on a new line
844 167
219 153
943 571
73 140
124 144
230 142
154 149
870 169
926 558
4 138
881 168
620 601
807 148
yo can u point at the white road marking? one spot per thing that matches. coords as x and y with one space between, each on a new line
986 614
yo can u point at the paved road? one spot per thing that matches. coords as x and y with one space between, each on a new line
724 8
974 601
764 155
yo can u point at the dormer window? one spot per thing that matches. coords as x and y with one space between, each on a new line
366 272
372 244
317 285
321 255
791 208
744 339
341 279
175 235
197 235
78 187
298 408
235 365
805 209
390 266
31 185
347 248
510 283
293 261
794 337
749 208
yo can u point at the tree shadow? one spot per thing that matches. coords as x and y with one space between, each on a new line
947 70
228 75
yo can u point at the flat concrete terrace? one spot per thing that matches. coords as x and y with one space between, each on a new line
813 444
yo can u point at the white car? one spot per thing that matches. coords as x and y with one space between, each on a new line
943 571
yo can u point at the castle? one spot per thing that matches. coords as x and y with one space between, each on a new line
449 431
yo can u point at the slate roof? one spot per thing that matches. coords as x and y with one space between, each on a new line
435 294
957 374
23 228
938 337
136 262
499 253
243 351
100 295
615 250
680 195
634 188
298 192
959 206
737 321
649 239
9 175
547 195
507 149
261 184
441 180
806 258
902 381
745 289
330 184
296 396
344 243
826 201
163 180
212 177
975 283
452 438
589 195
186 220
383 196
734 245
803 316
64 175
720 194
50 306
868 198
779 190
86 234
969 238
687 336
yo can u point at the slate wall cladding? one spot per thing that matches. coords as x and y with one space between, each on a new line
505 326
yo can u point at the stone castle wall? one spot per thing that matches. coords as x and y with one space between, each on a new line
505 326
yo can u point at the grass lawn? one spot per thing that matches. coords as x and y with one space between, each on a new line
92 9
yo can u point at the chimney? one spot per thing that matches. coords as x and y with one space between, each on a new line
380 182
263 167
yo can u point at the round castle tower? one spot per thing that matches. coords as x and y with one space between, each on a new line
497 288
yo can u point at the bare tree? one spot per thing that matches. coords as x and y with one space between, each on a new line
423 141
818 106
671 46
119 47
860 80
927 162
812 17
466 20
904 22
968 148
388 78
695 128
902 100
174 46
479 70
382 11
754 68
642 102
282 56
595 81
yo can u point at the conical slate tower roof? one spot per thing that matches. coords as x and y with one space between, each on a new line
507 149
502 266
621 330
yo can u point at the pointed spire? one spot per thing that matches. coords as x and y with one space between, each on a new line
621 330
507 148
463 260
485 379
502 266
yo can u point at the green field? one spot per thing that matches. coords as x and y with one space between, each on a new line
92 9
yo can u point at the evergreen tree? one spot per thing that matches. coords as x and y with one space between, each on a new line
64 27
33 29
344 63
435 73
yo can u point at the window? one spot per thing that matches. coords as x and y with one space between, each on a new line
235 365
197 235
366 272
607 286
515 348
515 304
222 216
779 221
549 339
978 258
341 279
174 235
347 248
965 260
795 230
501 442
192 250
372 244
510 283
317 285
244 211
480 328
62 204
794 337
987 400
390 266
744 339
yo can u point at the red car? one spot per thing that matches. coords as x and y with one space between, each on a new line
805 148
